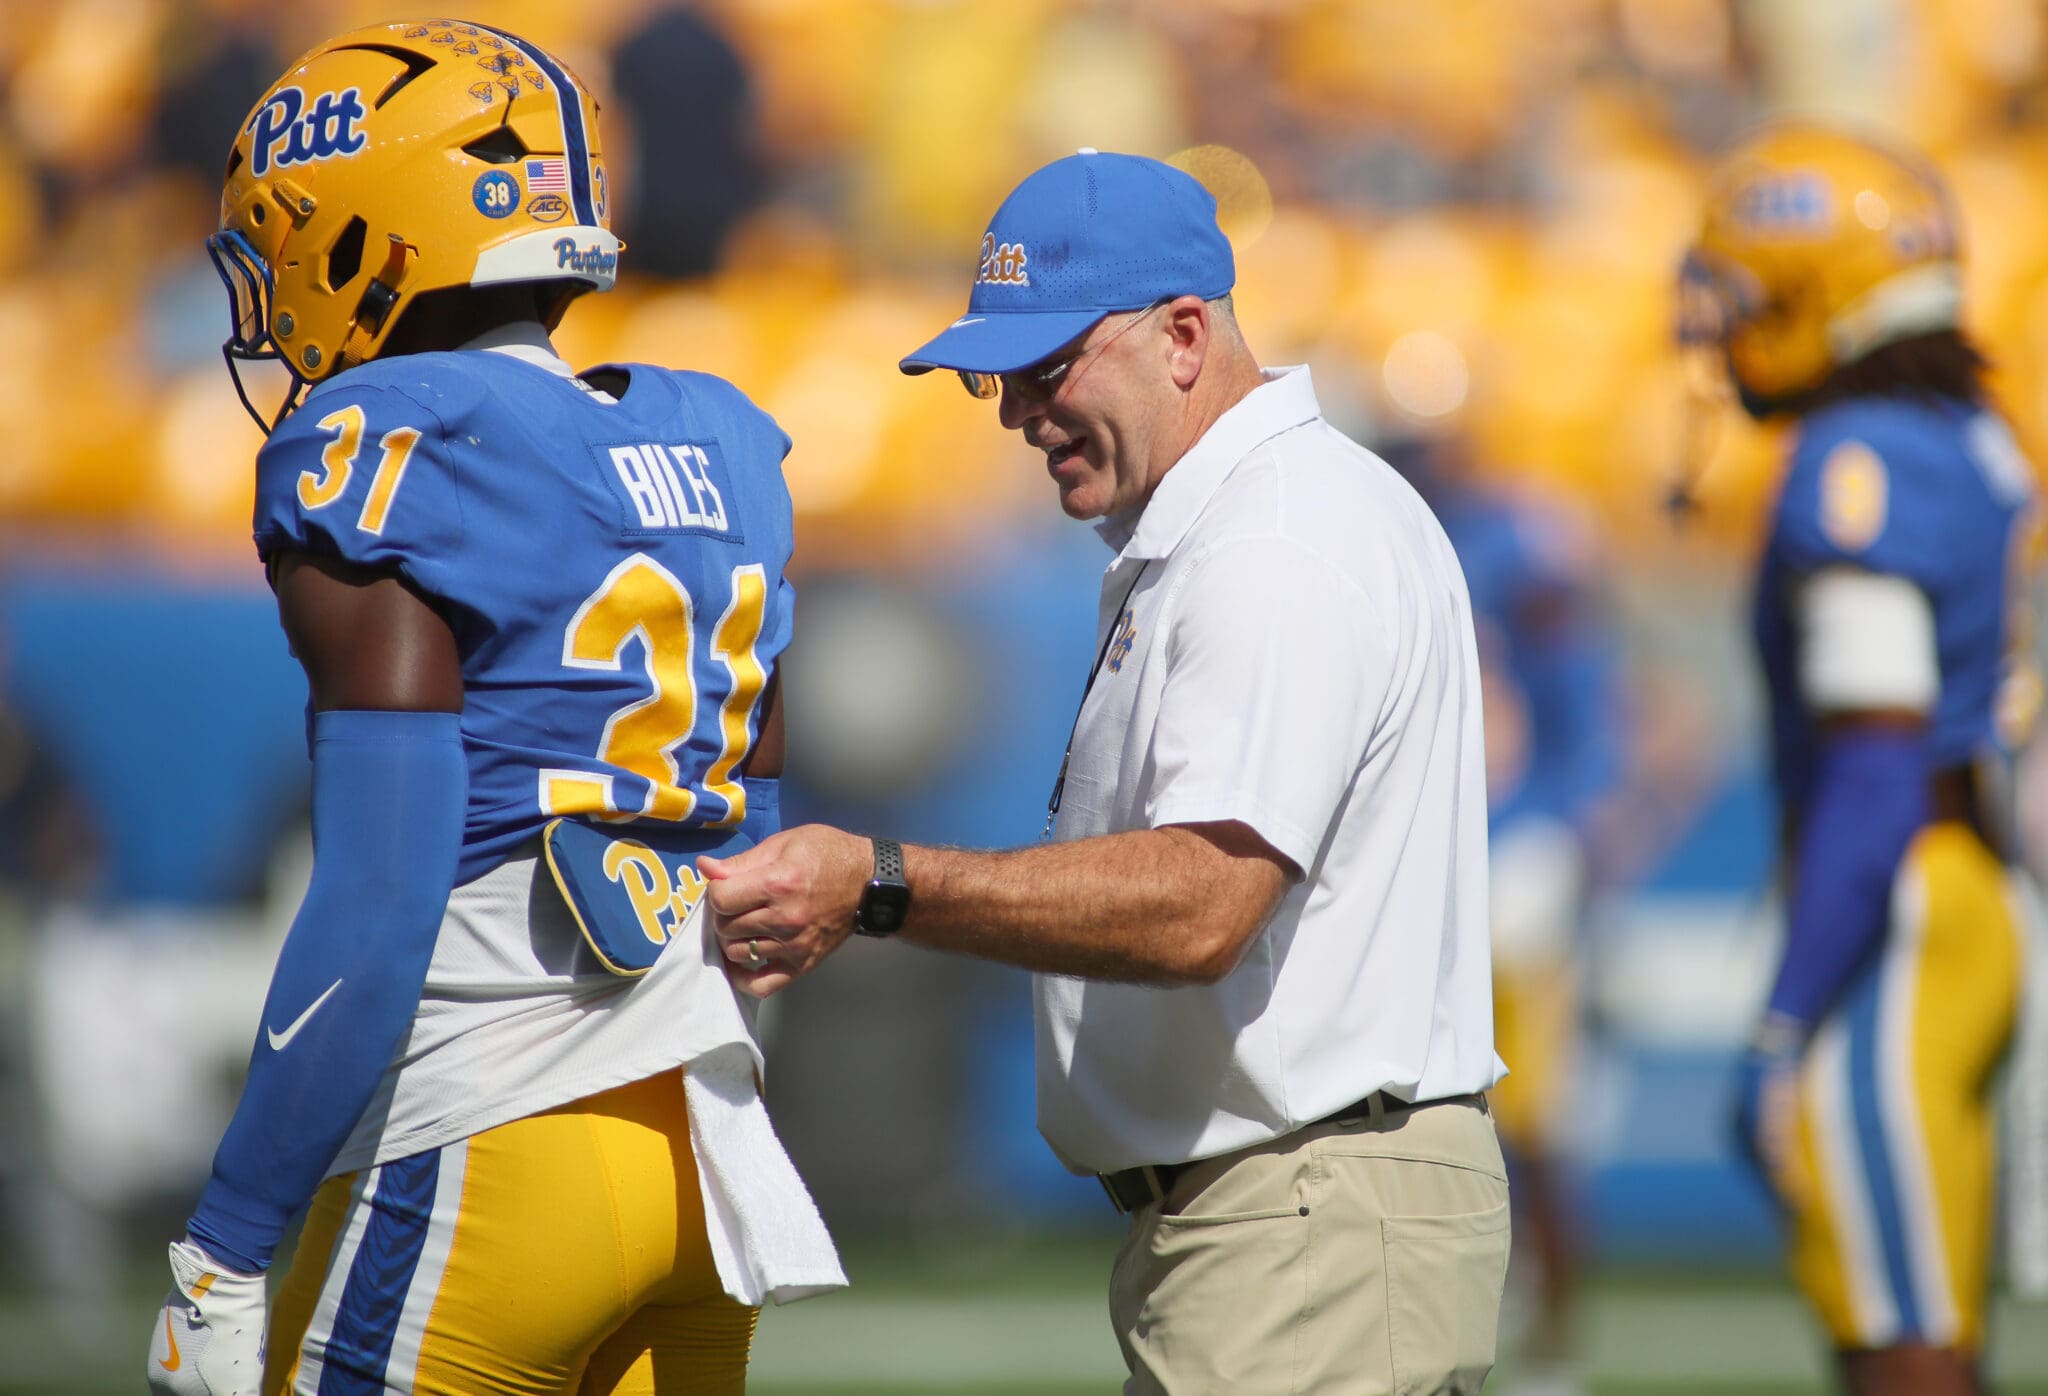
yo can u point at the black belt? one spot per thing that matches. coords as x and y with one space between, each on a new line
1132 1188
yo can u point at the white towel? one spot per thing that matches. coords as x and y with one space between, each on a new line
766 1235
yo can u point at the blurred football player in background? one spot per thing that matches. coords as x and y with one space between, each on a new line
1554 748
1826 276
524 599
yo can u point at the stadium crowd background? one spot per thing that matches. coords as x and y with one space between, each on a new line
1467 215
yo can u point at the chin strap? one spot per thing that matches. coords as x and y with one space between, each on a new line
375 307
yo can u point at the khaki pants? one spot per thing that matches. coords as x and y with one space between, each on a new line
1359 1256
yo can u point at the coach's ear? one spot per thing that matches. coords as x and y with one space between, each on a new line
1188 334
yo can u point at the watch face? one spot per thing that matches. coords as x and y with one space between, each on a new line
882 908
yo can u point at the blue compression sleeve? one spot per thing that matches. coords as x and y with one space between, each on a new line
389 792
1867 800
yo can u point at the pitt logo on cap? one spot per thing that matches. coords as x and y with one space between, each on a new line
1002 264
328 129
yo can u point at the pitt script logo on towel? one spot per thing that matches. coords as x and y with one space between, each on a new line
1002 264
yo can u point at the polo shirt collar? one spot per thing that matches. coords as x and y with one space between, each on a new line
1284 401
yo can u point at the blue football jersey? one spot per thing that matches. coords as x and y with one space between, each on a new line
1540 634
612 572
1936 492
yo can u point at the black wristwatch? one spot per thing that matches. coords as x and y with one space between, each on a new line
885 901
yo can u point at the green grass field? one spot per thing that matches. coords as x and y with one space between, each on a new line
1011 1317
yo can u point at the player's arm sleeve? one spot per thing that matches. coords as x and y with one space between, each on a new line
1866 644
1574 678
1277 668
763 778
389 790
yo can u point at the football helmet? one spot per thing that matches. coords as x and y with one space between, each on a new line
399 159
1817 247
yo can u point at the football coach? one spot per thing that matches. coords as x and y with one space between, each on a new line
1259 929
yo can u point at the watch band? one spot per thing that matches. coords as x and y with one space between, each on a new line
885 901
888 860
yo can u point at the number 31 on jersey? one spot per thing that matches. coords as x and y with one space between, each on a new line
642 598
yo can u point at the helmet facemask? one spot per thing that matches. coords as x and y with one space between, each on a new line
246 276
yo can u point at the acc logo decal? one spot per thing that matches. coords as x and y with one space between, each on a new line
1854 492
1126 636
547 208
496 194
328 129
571 255
1002 264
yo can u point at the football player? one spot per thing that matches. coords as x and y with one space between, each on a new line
540 615
1826 278
1554 733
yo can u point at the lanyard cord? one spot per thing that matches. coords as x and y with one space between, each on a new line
1059 785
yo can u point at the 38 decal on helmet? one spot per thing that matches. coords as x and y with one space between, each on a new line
1818 247
396 160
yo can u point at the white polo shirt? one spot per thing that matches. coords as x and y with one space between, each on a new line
1296 654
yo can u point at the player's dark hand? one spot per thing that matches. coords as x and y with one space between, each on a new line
1766 1123
779 908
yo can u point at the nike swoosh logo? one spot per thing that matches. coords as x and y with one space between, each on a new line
968 320
173 1362
281 1040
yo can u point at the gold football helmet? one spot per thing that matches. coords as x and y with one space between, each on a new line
1817 247
395 160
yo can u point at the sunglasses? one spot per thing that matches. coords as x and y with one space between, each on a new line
1040 382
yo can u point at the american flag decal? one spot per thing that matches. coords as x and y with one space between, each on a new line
547 176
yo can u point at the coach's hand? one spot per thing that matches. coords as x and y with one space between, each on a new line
782 906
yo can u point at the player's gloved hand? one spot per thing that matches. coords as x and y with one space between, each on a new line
1767 1102
209 1333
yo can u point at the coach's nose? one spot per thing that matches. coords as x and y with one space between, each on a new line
1016 409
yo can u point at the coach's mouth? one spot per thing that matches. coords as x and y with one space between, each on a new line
1057 456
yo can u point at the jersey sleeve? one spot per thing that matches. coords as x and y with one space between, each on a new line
1846 503
1276 668
365 474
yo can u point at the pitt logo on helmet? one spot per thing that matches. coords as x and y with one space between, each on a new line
328 129
1800 202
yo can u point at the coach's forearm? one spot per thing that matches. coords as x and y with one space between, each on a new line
1159 906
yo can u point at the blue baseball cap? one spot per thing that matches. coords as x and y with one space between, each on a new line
1082 238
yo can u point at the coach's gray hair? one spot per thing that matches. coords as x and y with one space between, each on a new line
1223 312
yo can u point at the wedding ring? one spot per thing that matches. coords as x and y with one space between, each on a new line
755 959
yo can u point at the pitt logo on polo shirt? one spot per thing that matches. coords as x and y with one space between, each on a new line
670 487
1002 264
1126 636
